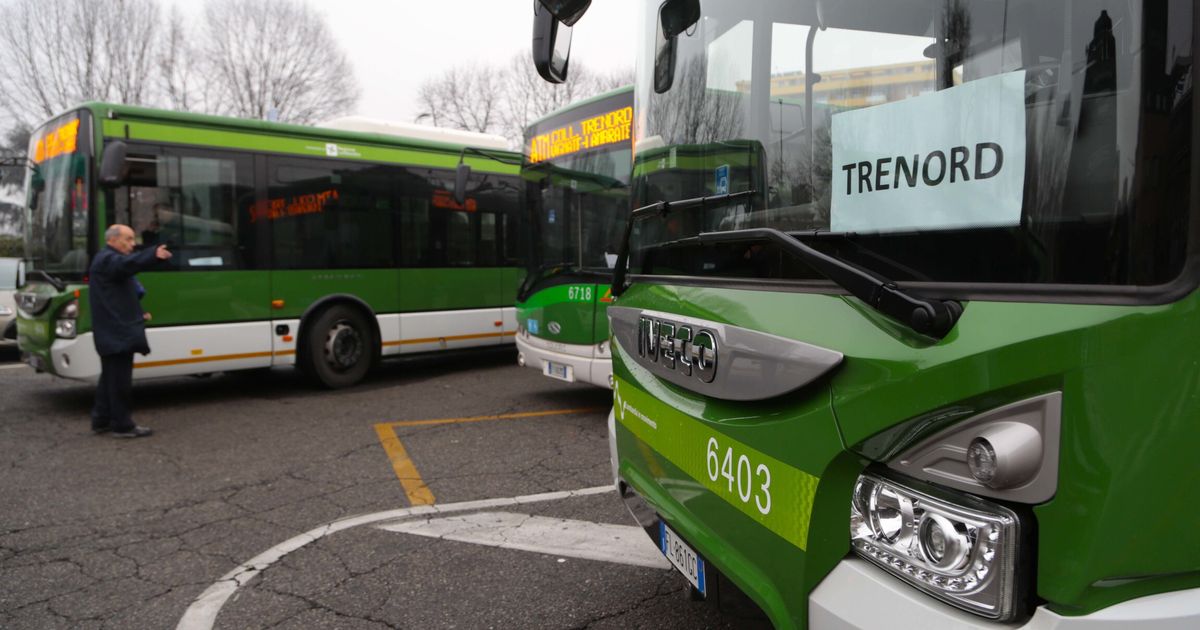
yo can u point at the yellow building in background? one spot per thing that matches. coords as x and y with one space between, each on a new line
858 87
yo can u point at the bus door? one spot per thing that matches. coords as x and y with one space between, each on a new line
209 305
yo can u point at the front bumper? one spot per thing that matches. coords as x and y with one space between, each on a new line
68 358
585 365
856 594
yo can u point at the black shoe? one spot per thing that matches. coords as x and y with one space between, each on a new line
135 432
101 430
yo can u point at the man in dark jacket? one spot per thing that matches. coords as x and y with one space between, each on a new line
118 327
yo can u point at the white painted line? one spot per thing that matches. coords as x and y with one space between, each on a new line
202 614
13 367
622 544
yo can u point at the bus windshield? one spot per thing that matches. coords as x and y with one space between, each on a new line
57 192
938 141
576 174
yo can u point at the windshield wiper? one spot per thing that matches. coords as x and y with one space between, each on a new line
926 316
58 284
662 209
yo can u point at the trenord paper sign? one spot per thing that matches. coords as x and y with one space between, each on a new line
944 160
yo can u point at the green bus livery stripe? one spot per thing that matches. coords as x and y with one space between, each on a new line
209 138
683 441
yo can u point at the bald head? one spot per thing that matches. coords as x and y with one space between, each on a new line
120 238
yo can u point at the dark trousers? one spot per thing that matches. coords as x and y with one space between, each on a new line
114 393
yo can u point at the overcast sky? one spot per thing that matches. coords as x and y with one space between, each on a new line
394 46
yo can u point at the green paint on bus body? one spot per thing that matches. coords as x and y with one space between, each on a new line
258 135
571 306
777 495
1128 436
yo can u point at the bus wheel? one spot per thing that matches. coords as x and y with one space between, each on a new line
340 347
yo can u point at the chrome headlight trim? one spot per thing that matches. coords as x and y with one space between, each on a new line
978 567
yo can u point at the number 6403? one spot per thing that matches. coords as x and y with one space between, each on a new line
736 469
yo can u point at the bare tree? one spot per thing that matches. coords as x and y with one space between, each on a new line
275 57
182 84
463 97
58 53
506 100
529 97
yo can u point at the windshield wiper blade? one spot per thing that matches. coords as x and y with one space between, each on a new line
926 316
662 209
58 284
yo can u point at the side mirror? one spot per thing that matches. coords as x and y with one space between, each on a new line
461 175
113 168
674 18
567 11
20 273
551 45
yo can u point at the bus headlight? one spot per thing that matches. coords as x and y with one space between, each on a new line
956 547
64 326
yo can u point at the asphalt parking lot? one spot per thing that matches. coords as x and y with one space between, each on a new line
448 493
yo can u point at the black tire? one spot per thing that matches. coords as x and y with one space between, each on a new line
339 347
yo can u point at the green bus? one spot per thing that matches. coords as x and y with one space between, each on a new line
576 193
328 248
908 334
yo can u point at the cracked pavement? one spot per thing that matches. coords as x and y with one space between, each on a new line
104 533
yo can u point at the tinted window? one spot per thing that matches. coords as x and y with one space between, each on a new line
327 215
196 201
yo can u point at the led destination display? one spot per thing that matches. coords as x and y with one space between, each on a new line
582 135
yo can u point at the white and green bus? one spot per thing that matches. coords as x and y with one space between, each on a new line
576 193
905 318
329 248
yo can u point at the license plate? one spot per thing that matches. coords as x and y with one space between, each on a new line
559 371
689 563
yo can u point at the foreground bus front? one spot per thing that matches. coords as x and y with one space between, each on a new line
935 365
576 177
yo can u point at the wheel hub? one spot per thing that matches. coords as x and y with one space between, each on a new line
343 346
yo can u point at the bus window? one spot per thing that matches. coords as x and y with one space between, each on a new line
326 215
461 239
487 238
190 201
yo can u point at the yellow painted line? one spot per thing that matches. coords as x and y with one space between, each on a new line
418 493
403 342
406 471
219 357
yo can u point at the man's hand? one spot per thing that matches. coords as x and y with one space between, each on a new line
162 253
146 317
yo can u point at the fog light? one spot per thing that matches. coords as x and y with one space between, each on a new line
956 547
981 459
64 328
1005 455
521 359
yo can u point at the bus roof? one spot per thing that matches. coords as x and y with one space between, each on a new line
364 124
446 142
